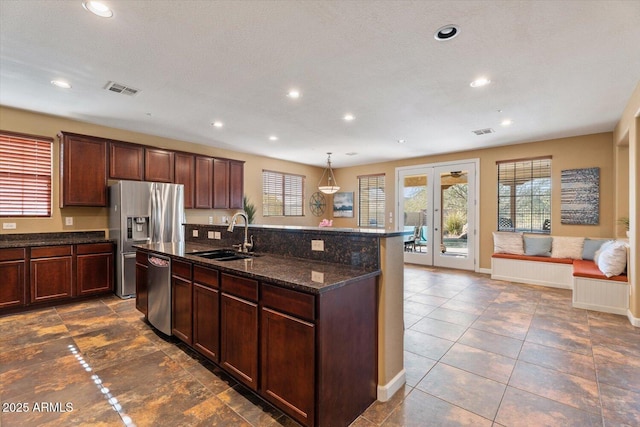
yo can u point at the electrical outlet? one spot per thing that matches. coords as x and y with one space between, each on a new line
317 276
210 234
8 225
216 235
195 233
317 245
68 220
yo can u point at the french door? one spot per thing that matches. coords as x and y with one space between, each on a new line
437 203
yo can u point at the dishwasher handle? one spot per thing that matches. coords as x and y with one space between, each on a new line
158 261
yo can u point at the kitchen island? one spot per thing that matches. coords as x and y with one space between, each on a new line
300 333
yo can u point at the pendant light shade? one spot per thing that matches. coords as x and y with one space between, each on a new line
331 184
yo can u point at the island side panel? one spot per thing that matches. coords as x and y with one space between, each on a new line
347 352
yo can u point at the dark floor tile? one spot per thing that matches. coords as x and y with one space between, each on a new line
502 326
620 405
440 329
476 308
428 299
471 392
452 316
34 354
617 374
495 343
39 334
379 411
522 409
252 409
564 388
486 364
416 367
561 340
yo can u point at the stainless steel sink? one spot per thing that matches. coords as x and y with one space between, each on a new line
222 255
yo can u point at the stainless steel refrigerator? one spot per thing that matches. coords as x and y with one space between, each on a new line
142 212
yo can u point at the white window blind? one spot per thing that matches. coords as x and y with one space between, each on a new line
25 175
282 194
371 198
524 195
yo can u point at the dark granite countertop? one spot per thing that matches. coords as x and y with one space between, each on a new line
51 239
295 273
379 232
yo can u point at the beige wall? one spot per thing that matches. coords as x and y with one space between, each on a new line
568 153
96 218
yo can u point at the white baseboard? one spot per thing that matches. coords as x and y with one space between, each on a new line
386 392
635 321
483 270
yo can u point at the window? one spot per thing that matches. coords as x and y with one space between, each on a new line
371 201
25 175
282 194
524 195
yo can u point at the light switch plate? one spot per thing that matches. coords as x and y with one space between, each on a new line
195 233
8 225
68 220
317 245
210 234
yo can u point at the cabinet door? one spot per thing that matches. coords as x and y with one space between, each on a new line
236 184
84 171
141 282
126 161
158 165
185 175
94 273
204 183
12 285
181 308
220 184
288 364
239 338
51 278
206 321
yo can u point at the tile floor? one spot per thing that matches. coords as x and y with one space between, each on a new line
477 352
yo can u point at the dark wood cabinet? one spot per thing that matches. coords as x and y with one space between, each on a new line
182 301
288 364
206 312
220 184
126 161
185 175
203 193
236 184
158 165
83 171
142 268
12 272
239 328
51 273
94 268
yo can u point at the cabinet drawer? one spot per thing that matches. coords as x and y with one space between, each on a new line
94 248
240 286
12 254
50 251
181 269
288 301
205 276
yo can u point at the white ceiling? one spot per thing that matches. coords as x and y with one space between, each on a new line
558 68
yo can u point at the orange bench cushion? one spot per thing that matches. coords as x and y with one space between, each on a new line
589 269
534 258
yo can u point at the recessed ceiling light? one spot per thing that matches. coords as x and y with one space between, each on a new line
294 94
97 8
273 138
61 83
482 81
506 122
217 124
401 141
351 153
446 33
349 117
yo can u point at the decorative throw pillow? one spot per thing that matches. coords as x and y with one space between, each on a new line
567 247
537 246
590 247
613 259
604 247
507 243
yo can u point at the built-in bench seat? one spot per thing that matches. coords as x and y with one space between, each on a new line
592 290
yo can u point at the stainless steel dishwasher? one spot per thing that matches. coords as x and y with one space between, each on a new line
159 293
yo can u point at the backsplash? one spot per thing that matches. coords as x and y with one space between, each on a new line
341 247
26 237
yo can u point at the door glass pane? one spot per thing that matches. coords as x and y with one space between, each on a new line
455 205
415 212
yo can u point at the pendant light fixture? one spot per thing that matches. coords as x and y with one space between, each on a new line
332 185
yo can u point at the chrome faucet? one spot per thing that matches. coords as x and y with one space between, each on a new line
247 245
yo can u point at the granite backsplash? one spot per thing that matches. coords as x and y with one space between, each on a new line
348 248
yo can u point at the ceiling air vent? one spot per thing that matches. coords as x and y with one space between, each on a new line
483 131
120 88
